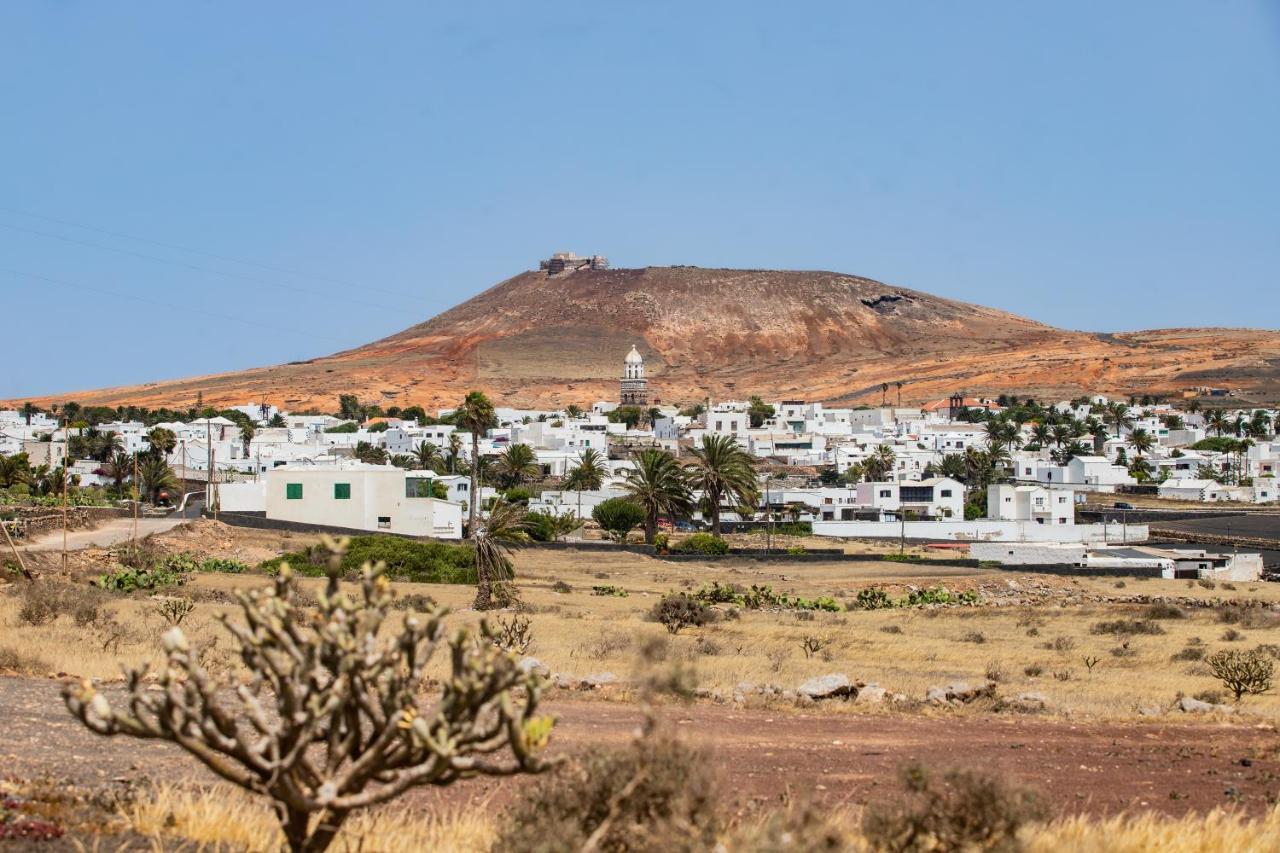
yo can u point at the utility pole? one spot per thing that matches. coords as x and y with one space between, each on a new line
208 486
137 503
65 444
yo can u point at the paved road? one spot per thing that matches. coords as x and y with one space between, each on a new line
111 532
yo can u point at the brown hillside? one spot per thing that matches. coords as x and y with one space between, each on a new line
535 340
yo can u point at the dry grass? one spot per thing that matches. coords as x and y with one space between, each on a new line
224 817
903 650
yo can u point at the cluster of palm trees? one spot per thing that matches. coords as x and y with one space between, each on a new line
662 486
1259 425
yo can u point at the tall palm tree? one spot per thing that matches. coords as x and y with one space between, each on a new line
162 441
1118 415
722 470
247 431
879 464
899 384
573 411
155 475
660 486
1099 432
455 448
427 456
1193 406
504 530
884 393
517 464
1217 421
28 411
588 475
1040 433
1141 441
475 415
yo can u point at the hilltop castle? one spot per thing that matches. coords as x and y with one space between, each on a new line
567 262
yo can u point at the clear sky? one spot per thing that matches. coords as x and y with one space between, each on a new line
1095 165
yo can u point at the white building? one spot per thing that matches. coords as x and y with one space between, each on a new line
357 496
1006 502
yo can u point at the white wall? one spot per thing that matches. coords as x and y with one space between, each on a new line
981 529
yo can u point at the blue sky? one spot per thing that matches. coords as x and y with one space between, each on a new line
1094 165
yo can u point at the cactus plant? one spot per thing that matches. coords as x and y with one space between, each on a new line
330 722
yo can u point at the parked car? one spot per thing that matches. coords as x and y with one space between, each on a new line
1123 505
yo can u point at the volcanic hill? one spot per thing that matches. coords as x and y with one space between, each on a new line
538 340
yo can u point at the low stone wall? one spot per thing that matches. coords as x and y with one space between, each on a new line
30 522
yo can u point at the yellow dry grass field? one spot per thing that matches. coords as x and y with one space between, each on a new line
224 818
1051 645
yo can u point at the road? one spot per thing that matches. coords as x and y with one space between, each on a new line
1172 765
112 532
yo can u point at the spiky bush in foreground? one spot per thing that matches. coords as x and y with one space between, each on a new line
330 722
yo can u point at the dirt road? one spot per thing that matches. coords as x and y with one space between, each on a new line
110 532
1099 768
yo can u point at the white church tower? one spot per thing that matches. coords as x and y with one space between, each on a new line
634 389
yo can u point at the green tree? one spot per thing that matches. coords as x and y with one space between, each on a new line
455 449
29 411
660 486
1118 415
155 476
247 432
349 408
162 441
516 465
588 475
723 471
427 457
503 530
119 468
14 469
879 465
475 415
759 411
628 415
1141 441
370 453
618 517
1217 421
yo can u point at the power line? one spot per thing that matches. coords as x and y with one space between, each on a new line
207 254
196 267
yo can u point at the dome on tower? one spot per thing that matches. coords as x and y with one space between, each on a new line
634 356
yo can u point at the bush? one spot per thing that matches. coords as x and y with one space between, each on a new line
872 598
223 565
406 560
609 589
662 542
1126 626
12 660
939 595
902 558
703 543
679 610
966 811
126 579
1161 610
797 550
655 796
618 517
976 637
1242 672
561 587
517 495
1190 653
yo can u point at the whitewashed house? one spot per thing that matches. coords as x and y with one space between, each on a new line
357 496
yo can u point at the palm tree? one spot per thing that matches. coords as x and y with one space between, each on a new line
504 530
722 470
28 412
879 464
370 453
1040 433
1193 406
1216 421
588 475
1141 441
884 393
455 448
1099 432
980 468
899 383
162 441
427 456
475 415
119 468
14 469
573 411
155 475
660 486
1118 414
247 432
517 464
407 461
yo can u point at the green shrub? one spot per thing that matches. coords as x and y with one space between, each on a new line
679 610
406 560
517 495
609 589
618 517
703 543
939 595
223 565
796 550
541 526
902 558
125 579
1242 672
662 542
872 598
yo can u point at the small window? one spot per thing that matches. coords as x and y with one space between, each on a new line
342 491
293 491
885 493
946 493
384 522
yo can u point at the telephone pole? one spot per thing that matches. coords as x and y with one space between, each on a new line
65 444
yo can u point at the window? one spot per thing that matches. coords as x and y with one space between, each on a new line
293 491
384 522
946 493
342 491
885 493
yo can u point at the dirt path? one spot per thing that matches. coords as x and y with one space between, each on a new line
110 532
1100 768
